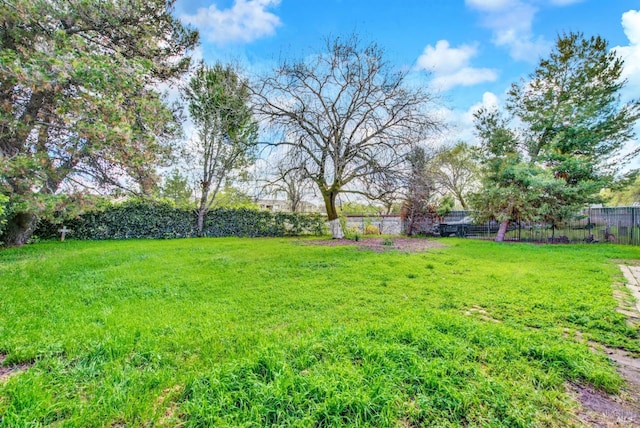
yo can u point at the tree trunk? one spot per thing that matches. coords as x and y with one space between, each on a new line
19 229
336 229
411 218
202 207
502 231
294 202
332 215
463 203
200 231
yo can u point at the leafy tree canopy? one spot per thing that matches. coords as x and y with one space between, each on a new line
226 132
625 196
232 197
455 172
77 104
562 139
176 189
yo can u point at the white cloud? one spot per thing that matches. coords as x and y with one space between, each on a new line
444 59
465 120
245 21
489 101
491 4
461 122
464 77
631 53
511 23
631 25
522 47
450 66
631 56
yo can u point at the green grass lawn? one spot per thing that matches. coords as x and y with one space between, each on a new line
272 332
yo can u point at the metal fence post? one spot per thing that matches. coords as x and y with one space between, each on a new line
633 224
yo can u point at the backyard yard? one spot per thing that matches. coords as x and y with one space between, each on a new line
278 332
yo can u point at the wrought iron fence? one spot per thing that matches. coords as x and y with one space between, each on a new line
619 225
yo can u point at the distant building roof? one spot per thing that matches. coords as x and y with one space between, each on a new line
280 205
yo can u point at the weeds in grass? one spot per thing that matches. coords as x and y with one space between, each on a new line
240 332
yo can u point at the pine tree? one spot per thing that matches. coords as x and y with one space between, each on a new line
77 105
570 138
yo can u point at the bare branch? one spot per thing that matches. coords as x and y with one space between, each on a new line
349 119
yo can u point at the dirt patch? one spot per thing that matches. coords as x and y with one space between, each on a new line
626 304
168 401
11 370
407 245
603 410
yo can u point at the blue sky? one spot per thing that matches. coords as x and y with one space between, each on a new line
473 49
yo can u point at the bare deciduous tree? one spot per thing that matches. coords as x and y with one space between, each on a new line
291 182
347 117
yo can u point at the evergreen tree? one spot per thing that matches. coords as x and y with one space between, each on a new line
569 141
176 188
77 106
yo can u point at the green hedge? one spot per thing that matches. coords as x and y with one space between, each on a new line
4 211
158 220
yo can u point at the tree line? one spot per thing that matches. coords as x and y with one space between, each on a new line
81 114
